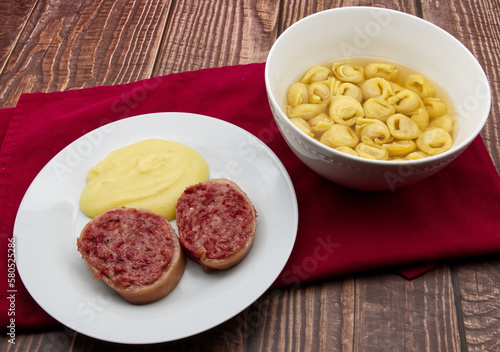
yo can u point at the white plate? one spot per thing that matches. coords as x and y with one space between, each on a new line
49 221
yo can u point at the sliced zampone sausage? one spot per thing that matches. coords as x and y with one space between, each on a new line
216 222
135 251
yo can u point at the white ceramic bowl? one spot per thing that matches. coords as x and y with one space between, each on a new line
396 36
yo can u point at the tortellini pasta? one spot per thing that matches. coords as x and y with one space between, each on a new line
406 101
302 125
416 156
347 150
306 111
318 92
419 85
320 123
316 73
445 122
348 73
373 129
396 88
400 147
339 136
345 110
369 150
332 85
350 90
373 110
378 108
421 118
377 87
381 69
298 94
434 141
435 107
403 127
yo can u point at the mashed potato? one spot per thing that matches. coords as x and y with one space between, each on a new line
150 174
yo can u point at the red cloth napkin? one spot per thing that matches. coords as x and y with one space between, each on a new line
452 214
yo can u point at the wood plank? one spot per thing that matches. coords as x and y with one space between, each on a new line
74 45
13 18
241 32
293 319
259 327
53 340
354 313
386 312
294 10
346 312
253 329
403 315
478 291
276 322
477 25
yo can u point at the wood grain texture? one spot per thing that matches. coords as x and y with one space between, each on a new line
390 313
294 10
476 24
241 32
75 45
14 17
365 312
478 293
55 45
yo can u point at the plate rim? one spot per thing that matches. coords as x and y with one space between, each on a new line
277 162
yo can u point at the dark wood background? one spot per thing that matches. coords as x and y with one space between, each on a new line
54 45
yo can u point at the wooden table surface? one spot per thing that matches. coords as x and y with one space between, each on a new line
50 45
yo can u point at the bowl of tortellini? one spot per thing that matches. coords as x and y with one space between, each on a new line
375 99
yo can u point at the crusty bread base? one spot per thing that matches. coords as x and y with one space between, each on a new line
161 287
228 262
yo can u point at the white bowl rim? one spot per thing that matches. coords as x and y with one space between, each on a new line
451 153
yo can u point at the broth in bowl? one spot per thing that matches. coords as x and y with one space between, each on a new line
372 108
401 38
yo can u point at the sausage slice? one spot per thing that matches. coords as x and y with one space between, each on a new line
135 251
216 222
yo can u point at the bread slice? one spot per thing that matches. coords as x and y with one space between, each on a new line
134 251
216 221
